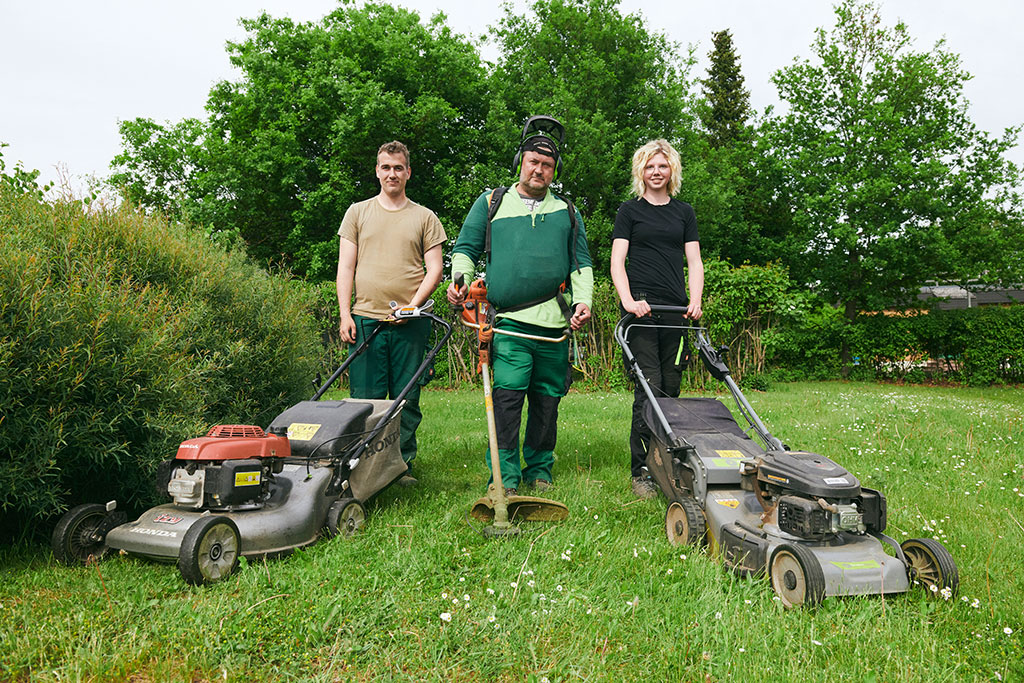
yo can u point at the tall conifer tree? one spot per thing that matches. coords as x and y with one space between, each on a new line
728 109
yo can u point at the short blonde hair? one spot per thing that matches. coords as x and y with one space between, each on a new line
643 155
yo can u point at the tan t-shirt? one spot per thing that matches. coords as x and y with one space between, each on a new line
389 252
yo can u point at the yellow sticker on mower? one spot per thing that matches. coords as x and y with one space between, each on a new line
728 502
300 431
247 478
729 454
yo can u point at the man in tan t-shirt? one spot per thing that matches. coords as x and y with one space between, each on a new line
390 251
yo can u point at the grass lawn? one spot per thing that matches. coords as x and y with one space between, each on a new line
419 594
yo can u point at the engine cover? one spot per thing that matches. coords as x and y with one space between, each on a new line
803 517
234 442
808 474
808 519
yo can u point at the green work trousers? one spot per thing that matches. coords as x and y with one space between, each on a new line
387 365
536 372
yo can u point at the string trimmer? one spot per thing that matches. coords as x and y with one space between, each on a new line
496 507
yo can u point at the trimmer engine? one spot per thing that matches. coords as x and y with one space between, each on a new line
229 468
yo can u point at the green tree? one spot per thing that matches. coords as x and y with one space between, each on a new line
891 183
728 102
742 215
741 219
290 144
160 166
612 80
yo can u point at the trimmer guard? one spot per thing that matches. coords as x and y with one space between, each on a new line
523 509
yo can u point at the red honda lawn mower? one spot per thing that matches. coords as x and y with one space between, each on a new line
246 491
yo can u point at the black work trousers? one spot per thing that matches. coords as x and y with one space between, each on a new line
655 350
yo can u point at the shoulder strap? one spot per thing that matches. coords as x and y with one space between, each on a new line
493 202
573 229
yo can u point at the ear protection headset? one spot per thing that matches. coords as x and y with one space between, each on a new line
540 127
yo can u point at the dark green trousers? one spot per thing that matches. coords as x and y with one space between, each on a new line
535 372
383 370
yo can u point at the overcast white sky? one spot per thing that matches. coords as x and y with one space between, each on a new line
71 69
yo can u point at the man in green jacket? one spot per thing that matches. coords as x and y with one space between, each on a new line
535 246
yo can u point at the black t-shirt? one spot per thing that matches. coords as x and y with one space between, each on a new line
656 256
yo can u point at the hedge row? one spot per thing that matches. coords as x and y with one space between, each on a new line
776 331
977 346
120 336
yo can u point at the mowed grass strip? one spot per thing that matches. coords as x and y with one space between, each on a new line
420 595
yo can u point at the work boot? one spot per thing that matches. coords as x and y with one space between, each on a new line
541 485
643 487
511 492
407 479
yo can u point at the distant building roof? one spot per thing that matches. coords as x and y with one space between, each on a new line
954 296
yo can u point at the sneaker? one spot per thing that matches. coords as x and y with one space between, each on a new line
644 488
541 485
511 492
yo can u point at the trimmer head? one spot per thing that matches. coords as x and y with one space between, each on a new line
522 508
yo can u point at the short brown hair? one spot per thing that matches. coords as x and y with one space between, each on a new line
394 147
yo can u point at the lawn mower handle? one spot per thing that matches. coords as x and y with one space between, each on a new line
396 403
713 360
348 361
420 313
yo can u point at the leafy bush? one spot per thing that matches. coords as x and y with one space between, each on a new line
806 344
979 346
992 344
121 335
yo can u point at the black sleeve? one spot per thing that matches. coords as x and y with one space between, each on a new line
690 225
624 222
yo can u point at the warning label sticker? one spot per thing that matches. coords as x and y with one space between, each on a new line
728 502
729 454
722 463
247 478
300 431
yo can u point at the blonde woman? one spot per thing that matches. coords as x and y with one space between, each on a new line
654 240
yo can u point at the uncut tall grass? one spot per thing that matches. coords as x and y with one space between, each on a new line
420 595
